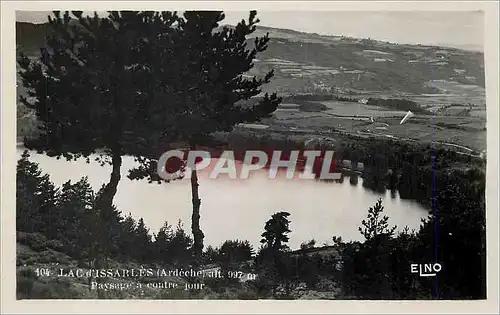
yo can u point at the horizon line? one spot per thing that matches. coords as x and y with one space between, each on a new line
465 47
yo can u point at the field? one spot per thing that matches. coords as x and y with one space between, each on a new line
453 93
356 119
356 110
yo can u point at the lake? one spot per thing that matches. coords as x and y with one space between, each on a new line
238 209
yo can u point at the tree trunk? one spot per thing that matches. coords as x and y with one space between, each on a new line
104 206
110 189
195 218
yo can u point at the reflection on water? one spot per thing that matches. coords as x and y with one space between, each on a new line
238 209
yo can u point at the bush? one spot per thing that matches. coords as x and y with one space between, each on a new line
35 241
55 245
234 252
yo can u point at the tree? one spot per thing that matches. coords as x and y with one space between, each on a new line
89 91
205 87
180 245
375 252
375 225
271 259
162 241
307 245
36 197
143 243
233 252
127 244
455 235
276 230
211 255
72 204
80 90
131 82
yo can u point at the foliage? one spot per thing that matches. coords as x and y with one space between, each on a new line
85 92
397 104
131 82
68 220
459 215
271 259
108 79
375 225
199 70
235 252
276 230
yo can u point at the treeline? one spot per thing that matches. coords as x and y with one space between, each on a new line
407 167
306 106
85 224
397 104
392 103
452 187
309 97
453 235
70 215
346 99
455 199
415 170
67 219
377 268
318 97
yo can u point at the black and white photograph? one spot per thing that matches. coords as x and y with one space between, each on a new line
250 155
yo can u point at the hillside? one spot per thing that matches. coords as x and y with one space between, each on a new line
434 78
311 62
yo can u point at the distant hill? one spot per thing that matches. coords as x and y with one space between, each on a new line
30 37
306 62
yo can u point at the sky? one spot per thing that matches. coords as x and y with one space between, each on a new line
461 29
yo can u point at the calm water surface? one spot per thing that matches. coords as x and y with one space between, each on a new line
238 209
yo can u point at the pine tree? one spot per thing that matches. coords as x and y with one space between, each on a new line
456 232
232 252
180 245
73 202
276 230
204 87
132 82
143 241
127 241
375 225
87 89
210 255
36 198
162 243
374 282
271 259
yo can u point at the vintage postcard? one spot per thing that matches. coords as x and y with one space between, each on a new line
256 153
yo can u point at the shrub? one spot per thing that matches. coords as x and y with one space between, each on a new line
36 241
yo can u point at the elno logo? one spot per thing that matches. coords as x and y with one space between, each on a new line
426 270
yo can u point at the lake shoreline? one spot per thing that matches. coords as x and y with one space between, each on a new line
318 209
